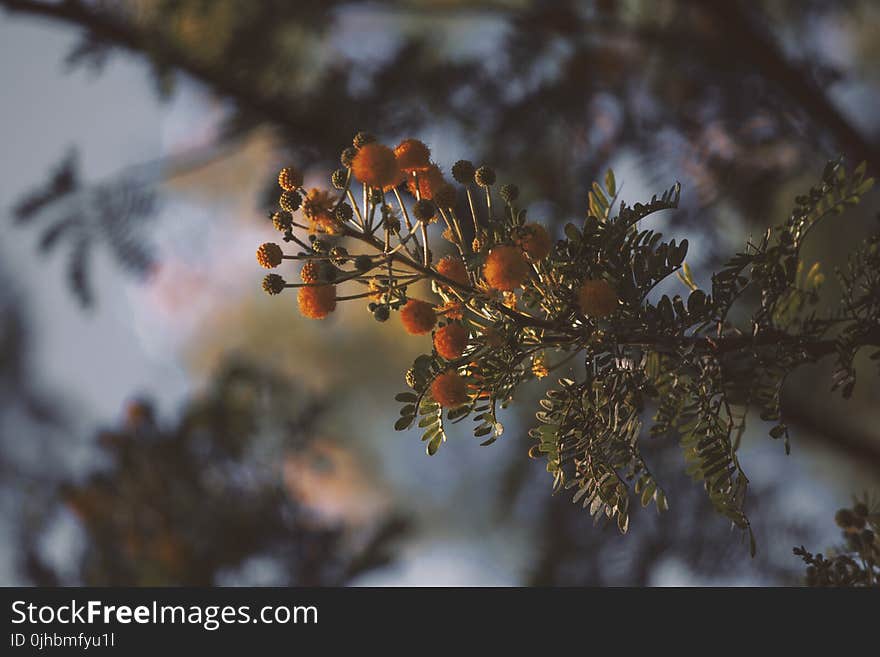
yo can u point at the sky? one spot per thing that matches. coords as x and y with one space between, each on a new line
99 354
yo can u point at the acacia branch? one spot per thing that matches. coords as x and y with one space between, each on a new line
816 349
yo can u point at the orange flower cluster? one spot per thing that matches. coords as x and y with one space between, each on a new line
318 209
317 301
449 389
412 155
418 317
451 340
597 298
453 268
506 265
376 165
316 202
506 268
535 241
431 184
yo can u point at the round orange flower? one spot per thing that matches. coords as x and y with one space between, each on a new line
317 202
376 166
452 267
418 317
412 155
269 255
324 222
597 298
450 341
534 240
449 389
506 268
431 181
317 301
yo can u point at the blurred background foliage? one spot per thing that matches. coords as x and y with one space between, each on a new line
740 101
197 502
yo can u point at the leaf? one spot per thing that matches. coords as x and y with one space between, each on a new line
460 412
610 183
660 501
778 431
696 302
648 493
434 445
677 254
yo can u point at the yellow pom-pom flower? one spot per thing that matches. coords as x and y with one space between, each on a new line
535 241
316 301
431 182
450 341
449 389
418 317
317 202
412 155
325 223
506 268
452 267
375 165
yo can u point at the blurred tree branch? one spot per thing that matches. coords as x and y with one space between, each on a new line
819 426
105 27
742 35
738 31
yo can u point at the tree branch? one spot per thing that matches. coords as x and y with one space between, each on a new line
744 37
164 52
826 430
